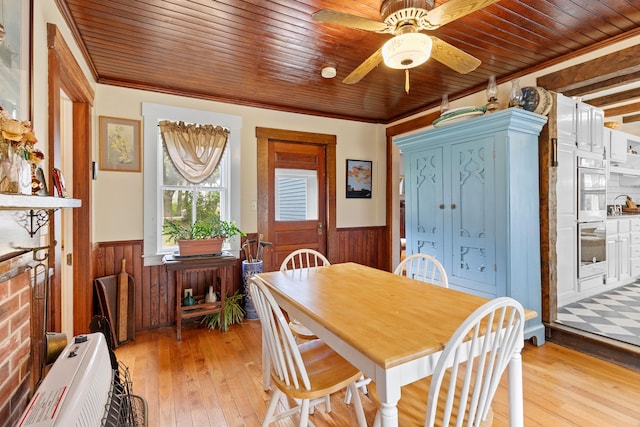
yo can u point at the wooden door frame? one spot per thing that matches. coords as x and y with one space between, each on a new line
65 74
266 135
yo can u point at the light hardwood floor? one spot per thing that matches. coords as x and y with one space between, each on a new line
214 379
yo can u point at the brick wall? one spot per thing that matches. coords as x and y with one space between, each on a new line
15 346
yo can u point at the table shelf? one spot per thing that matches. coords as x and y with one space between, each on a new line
182 267
201 309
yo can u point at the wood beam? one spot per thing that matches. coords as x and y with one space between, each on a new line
613 65
615 98
604 85
622 110
631 119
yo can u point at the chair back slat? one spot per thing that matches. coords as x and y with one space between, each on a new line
424 268
303 258
286 361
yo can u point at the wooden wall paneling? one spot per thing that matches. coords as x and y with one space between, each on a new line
156 288
364 245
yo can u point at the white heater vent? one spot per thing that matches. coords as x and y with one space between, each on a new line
75 392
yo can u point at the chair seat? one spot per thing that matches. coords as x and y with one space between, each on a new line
301 331
413 404
328 372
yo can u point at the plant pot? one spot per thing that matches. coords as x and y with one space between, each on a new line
200 246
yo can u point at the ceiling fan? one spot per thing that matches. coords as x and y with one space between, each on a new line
409 47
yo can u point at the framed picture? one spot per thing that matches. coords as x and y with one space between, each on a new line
15 59
120 146
358 179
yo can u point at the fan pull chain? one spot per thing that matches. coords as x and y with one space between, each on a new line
406 80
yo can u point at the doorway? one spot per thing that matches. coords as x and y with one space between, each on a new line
65 74
296 193
66 215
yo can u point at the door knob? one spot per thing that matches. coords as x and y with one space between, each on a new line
453 205
320 229
441 205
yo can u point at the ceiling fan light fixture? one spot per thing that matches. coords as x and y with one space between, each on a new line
407 50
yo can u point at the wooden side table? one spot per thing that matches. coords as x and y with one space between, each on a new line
184 265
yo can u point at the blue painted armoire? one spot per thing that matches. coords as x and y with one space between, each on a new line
471 192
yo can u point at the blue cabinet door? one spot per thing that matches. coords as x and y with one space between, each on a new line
425 222
472 216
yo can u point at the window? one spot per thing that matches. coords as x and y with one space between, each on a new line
185 202
296 195
169 195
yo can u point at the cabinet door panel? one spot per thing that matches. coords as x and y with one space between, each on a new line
566 118
472 210
583 129
612 260
566 186
623 256
427 214
597 124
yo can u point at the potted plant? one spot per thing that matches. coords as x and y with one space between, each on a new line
204 236
233 313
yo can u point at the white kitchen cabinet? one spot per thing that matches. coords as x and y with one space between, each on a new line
563 128
565 119
618 250
590 121
624 157
634 249
618 141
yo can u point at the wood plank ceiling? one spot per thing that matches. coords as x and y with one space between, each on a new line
269 53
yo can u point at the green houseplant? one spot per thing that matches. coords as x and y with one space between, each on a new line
233 313
204 236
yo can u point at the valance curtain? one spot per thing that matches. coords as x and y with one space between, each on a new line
195 150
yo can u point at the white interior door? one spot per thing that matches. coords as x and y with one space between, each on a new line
66 245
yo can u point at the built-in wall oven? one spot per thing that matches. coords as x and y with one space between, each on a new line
592 189
592 213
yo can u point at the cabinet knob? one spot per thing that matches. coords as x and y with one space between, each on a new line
453 205
441 205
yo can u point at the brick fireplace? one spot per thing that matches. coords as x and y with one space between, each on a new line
15 337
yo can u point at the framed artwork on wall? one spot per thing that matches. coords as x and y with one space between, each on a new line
358 179
120 144
15 62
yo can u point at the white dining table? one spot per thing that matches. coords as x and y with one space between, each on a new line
390 327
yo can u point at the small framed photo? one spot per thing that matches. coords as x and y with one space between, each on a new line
358 179
120 146
58 183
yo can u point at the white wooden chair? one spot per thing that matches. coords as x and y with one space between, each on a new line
307 372
423 267
303 258
466 377
300 258
310 258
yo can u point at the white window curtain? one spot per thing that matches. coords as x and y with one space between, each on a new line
195 150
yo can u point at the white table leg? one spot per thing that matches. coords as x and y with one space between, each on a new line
389 415
516 410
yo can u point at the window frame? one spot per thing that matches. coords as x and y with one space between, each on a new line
152 170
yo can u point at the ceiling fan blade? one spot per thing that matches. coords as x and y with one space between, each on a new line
363 69
453 57
352 21
452 10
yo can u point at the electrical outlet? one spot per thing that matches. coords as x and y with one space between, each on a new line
188 292
254 205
